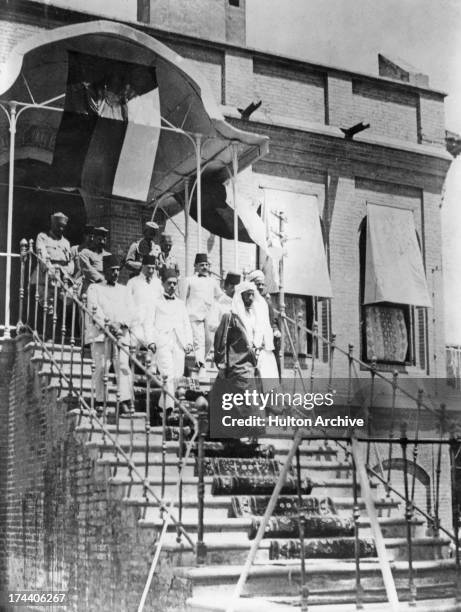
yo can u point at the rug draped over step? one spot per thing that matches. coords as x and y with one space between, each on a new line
249 506
257 476
236 448
257 485
331 548
314 526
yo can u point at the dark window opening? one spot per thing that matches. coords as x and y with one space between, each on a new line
395 315
302 309
234 3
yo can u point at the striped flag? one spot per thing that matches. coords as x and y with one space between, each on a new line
108 138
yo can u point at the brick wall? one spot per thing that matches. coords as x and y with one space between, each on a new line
392 113
6 364
239 82
290 92
432 118
208 62
67 527
202 18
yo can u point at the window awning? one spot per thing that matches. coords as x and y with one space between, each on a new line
305 267
113 86
394 265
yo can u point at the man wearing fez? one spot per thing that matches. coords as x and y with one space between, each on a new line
166 259
225 301
91 259
145 289
145 246
201 291
168 333
110 300
76 249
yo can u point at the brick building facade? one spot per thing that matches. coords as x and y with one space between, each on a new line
400 161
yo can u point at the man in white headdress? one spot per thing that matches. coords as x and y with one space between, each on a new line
267 363
237 345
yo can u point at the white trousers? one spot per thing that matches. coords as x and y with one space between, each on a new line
267 366
103 355
203 340
170 362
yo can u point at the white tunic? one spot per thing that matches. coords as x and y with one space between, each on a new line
144 295
111 302
169 323
200 294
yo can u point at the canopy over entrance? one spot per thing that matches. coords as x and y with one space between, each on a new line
106 110
118 86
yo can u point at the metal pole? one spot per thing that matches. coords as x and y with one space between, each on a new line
187 226
234 197
235 596
282 220
12 121
198 155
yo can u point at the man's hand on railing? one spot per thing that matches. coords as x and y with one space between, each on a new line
152 347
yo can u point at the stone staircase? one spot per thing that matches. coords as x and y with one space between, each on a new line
272 585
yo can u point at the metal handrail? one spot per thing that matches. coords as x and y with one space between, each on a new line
103 329
112 439
359 362
166 508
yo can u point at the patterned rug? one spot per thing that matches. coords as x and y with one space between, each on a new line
314 527
386 333
257 485
237 449
251 506
332 548
242 467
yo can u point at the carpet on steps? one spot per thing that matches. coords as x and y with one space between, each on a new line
314 526
255 476
234 447
249 506
322 548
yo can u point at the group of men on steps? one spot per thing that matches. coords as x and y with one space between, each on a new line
147 311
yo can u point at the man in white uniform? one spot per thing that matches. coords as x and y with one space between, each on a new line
201 291
145 289
169 334
110 300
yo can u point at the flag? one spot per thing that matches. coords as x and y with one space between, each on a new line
248 204
108 137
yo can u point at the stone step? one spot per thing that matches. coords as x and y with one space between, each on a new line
375 601
226 547
313 469
330 488
344 506
217 518
323 576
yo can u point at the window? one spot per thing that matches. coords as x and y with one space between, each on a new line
234 3
306 279
393 289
